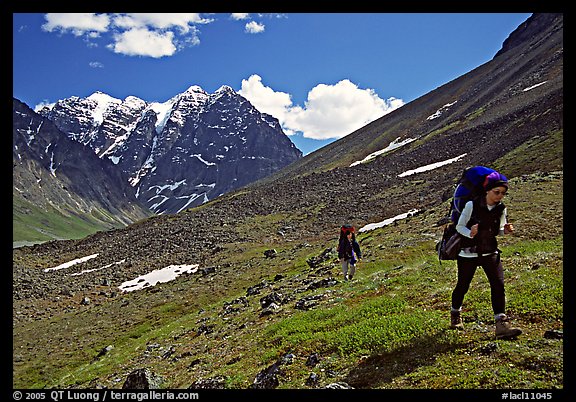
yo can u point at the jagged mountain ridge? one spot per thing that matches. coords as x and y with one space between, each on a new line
183 152
54 173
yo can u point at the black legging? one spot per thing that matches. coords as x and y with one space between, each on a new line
492 266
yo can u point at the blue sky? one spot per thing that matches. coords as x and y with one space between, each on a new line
323 75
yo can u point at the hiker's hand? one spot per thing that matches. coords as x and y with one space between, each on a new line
474 230
508 228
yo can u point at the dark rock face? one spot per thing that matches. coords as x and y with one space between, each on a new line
184 152
49 168
524 34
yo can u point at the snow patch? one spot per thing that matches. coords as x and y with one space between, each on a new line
199 156
166 274
440 111
430 166
102 102
73 262
393 145
372 226
163 111
534 86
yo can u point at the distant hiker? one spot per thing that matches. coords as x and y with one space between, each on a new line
482 219
348 251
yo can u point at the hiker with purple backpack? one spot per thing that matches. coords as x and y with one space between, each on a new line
480 221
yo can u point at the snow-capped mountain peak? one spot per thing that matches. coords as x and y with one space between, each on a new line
181 152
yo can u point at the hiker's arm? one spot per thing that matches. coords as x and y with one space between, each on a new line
357 250
464 218
505 227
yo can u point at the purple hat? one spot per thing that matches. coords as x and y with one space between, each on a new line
495 179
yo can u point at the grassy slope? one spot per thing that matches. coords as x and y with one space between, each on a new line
33 224
386 329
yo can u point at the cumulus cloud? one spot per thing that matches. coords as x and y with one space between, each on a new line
254 27
78 23
138 34
240 16
182 21
330 111
264 98
143 42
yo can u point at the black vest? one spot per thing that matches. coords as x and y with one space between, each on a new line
488 227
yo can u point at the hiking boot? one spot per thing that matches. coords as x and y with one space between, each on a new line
456 320
345 277
504 330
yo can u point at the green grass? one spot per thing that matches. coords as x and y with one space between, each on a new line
541 153
381 324
33 224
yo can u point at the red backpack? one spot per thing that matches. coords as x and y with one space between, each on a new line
345 229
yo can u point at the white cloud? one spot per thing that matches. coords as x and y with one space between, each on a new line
240 16
331 111
143 42
265 99
254 27
161 21
76 23
139 34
